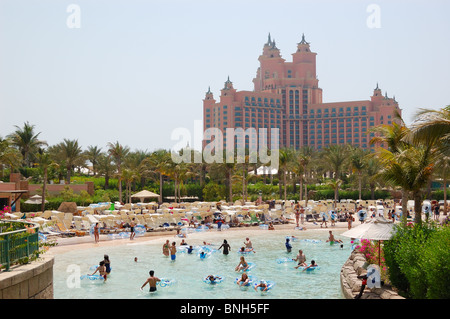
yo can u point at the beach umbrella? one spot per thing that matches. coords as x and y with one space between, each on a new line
36 199
378 228
144 194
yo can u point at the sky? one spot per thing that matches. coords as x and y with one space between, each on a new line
135 71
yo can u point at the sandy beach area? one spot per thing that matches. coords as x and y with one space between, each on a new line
87 242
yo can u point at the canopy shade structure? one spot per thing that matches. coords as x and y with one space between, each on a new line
144 194
36 199
377 228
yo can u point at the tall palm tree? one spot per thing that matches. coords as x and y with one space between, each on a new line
71 154
285 156
27 141
118 154
358 164
45 162
93 154
335 185
336 157
157 162
105 168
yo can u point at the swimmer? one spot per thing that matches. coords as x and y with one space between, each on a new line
243 265
245 250
152 280
202 255
190 249
183 243
271 226
206 244
166 251
101 270
244 280
212 279
288 245
135 259
261 284
332 239
301 259
248 245
313 264
173 251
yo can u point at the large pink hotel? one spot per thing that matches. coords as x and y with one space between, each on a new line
287 96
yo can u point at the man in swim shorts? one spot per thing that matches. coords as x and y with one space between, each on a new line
173 251
152 280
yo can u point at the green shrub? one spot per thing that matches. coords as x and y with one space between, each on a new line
417 258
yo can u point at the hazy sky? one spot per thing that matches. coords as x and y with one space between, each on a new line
136 70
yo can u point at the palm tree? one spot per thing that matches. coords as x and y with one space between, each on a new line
45 162
8 155
358 164
336 157
93 154
432 124
118 154
284 160
157 162
335 185
393 138
27 141
410 168
105 168
71 154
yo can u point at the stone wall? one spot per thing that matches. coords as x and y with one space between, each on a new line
29 281
355 266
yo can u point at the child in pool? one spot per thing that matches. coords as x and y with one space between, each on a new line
263 285
243 265
288 245
244 280
313 264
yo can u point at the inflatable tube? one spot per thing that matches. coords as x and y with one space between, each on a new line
270 284
251 280
264 226
292 238
92 278
140 230
311 269
362 214
223 227
201 228
313 241
284 260
218 279
250 267
166 282
245 251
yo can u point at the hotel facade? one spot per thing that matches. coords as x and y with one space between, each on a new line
287 97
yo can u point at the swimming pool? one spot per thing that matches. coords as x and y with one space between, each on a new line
188 271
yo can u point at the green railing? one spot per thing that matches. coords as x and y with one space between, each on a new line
18 244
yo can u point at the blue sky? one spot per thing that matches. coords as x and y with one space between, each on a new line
137 70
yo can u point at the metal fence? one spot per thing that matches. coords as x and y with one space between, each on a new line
18 245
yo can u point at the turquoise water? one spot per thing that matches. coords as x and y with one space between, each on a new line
188 271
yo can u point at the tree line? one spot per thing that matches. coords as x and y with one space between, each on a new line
404 157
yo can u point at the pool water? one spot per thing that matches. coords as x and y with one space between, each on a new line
188 271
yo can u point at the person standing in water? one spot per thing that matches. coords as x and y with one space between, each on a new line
152 280
173 251
288 245
226 247
107 264
165 249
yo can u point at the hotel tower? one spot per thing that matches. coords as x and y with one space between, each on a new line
287 97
